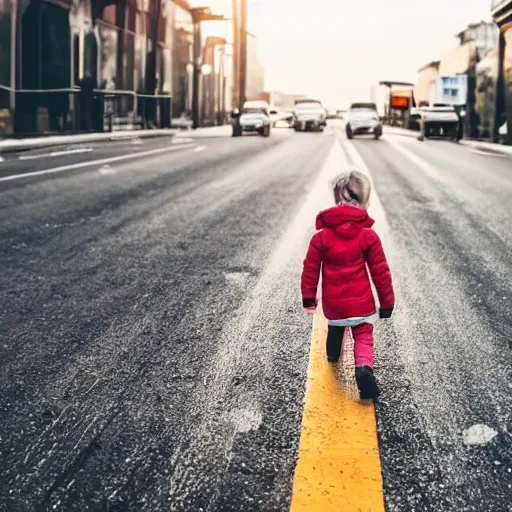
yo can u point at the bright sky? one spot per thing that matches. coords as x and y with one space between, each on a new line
337 49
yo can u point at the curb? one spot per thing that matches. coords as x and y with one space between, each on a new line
488 147
19 145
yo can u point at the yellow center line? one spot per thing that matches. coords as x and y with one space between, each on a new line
339 465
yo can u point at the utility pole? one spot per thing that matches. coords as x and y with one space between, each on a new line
199 14
243 53
240 60
236 53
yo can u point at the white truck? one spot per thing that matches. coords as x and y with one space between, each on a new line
438 121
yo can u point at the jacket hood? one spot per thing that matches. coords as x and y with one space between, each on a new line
346 221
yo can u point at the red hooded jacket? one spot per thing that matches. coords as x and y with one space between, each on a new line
344 248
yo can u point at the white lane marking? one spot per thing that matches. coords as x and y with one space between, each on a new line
57 153
245 420
422 164
136 142
92 163
486 153
478 434
238 278
180 140
1 159
106 169
199 149
376 210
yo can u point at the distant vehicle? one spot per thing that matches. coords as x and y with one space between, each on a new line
363 119
309 115
438 121
306 100
256 118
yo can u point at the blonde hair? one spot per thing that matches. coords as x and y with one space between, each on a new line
343 193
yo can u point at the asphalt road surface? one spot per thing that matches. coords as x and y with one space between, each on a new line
154 352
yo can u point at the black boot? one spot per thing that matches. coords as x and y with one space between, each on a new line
366 383
334 340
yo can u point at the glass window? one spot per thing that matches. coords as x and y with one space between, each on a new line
5 42
109 14
129 62
55 47
140 53
181 61
108 56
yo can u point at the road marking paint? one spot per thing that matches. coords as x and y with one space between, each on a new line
92 163
376 209
339 463
182 140
420 162
1 159
136 142
57 153
106 169
479 434
199 149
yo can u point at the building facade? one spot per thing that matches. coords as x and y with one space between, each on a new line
502 14
255 83
139 52
92 65
427 77
486 93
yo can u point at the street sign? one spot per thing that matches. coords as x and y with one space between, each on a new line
400 102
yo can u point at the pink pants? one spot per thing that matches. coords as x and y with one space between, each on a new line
363 343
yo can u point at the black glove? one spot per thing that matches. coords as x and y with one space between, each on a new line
308 303
386 312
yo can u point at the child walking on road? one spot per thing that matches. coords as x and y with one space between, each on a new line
346 249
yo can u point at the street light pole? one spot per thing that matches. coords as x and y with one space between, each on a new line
243 53
196 75
240 60
236 53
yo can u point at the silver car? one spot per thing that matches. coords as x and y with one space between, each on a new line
363 119
309 116
255 118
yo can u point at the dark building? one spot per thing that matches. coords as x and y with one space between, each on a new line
502 14
71 65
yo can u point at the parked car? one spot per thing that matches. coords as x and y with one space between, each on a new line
256 118
438 122
309 115
363 119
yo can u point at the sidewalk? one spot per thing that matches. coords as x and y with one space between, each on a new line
489 147
12 145
212 131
